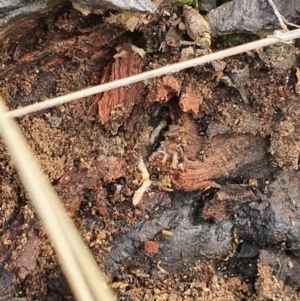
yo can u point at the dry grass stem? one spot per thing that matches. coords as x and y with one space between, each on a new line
80 268
282 37
289 23
278 15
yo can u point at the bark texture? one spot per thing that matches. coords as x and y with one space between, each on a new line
250 16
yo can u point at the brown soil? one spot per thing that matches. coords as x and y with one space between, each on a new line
219 221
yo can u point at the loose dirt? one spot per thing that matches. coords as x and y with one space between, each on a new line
220 219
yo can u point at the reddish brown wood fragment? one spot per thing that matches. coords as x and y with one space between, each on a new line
102 211
197 177
26 262
73 184
239 150
195 162
88 45
53 63
116 105
110 168
99 55
182 141
162 90
105 78
190 98
168 87
151 247
83 45
154 199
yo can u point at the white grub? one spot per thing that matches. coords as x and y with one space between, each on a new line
160 269
82 9
140 274
155 133
174 164
167 233
165 157
146 183
140 51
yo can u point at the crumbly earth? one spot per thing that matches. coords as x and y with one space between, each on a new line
208 139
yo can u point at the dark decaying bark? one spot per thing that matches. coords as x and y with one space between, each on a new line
27 13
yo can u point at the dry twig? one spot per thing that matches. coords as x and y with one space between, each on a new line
282 20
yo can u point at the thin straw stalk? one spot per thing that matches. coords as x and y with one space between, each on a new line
80 268
279 37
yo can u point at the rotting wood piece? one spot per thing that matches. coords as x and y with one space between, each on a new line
16 17
88 44
163 89
190 98
227 157
115 106
195 162
74 184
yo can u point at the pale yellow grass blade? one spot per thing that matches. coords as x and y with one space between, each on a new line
77 262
